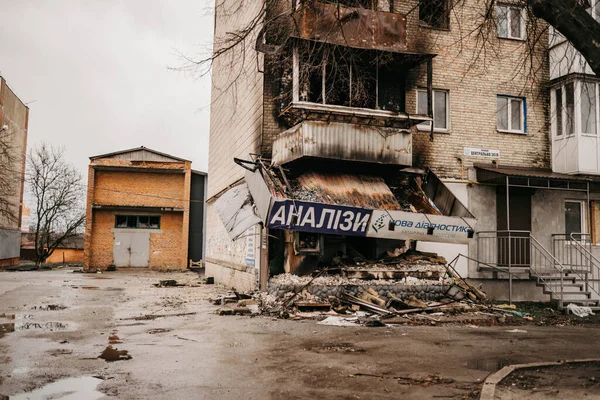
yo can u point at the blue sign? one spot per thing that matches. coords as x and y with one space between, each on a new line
317 217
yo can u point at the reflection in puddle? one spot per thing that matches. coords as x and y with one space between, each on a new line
112 354
489 365
43 326
82 388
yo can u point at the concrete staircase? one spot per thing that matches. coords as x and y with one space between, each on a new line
573 290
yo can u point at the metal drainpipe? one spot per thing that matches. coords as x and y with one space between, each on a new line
509 244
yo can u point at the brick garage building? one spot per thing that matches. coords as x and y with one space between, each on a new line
138 211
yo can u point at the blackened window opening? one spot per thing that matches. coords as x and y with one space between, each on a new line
369 4
352 79
434 13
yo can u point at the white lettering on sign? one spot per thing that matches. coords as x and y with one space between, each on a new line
482 152
319 217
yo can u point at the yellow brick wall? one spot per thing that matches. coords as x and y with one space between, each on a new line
66 255
169 245
140 189
165 243
474 76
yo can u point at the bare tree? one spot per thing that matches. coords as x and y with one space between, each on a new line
9 178
58 196
571 19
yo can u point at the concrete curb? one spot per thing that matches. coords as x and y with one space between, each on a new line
489 385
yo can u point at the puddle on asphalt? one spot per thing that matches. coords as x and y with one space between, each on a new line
41 326
159 330
489 365
49 307
82 388
111 354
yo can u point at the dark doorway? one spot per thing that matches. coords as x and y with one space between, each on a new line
520 220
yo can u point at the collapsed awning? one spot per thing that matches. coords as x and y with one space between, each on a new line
237 210
360 205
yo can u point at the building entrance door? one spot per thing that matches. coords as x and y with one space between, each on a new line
131 249
518 244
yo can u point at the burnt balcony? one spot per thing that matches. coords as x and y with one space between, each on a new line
356 27
343 141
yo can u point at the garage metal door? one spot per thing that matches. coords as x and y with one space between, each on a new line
131 249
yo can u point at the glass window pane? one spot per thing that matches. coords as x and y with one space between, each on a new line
515 114
572 217
515 23
502 16
559 111
121 221
155 222
440 112
143 222
422 102
502 111
570 108
131 221
588 108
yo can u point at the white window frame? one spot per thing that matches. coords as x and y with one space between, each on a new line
521 129
582 206
425 125
508 21
577 123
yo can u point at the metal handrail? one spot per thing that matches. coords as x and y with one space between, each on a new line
556 264
538 260
593 263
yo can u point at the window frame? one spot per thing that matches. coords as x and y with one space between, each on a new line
508 7
446 27
425 125
137 221
577 117
523 127
297 83
583 217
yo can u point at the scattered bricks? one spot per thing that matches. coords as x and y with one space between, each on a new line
7 327
233 311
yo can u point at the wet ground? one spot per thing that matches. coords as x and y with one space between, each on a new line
569 381
85 336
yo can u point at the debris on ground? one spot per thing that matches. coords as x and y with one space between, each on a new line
355 292
580 311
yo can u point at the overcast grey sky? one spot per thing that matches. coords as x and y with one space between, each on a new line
95 74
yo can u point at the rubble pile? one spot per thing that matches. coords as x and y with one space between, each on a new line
337 299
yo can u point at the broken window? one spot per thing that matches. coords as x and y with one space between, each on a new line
350 78
434 14
308 242
137 221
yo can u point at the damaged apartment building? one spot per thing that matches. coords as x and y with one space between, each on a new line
347 133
